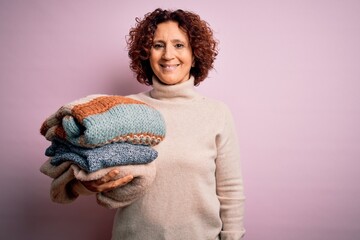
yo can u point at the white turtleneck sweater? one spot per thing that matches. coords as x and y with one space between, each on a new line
198 190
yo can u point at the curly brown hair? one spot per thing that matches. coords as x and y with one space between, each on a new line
201 40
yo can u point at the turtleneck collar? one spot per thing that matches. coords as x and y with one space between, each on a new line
179 92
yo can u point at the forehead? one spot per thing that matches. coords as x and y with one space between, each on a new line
170 30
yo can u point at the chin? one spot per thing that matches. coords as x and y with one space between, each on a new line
171 81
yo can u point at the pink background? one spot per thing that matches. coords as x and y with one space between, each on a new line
289 70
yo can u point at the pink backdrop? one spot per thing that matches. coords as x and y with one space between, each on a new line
289 70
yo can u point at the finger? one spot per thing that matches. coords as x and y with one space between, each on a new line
109 176
122 181
117 183
91 185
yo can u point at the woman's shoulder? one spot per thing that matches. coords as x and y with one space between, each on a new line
216 104
141 96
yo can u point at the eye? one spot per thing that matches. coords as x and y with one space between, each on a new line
158 45
179 45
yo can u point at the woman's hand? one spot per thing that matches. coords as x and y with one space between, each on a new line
107 182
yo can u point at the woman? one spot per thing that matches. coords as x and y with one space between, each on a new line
198 191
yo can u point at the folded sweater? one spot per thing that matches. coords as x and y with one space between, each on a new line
93 159
96 134
97 120
66 175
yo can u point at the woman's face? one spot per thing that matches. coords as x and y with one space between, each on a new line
171 55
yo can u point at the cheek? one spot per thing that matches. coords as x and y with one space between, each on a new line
152 61
154 57
190 58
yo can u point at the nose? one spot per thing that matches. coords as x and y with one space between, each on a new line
168 53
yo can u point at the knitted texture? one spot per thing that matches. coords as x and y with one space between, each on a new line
97 120
67 173
143 174
96 134
93 159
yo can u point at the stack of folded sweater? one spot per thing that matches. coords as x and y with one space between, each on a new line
96 134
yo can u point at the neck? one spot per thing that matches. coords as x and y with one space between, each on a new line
178 92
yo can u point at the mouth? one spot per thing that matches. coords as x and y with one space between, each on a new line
168 67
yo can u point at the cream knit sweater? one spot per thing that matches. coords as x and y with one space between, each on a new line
197 193
198 190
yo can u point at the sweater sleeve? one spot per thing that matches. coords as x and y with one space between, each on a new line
229 183
64 188
122 196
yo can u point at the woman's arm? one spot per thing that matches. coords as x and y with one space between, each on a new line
107 182
229 181
65 187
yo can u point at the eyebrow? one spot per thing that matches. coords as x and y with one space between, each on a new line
172 41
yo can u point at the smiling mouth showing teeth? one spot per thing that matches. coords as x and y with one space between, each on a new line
169 66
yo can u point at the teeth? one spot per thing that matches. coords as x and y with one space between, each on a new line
169 67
